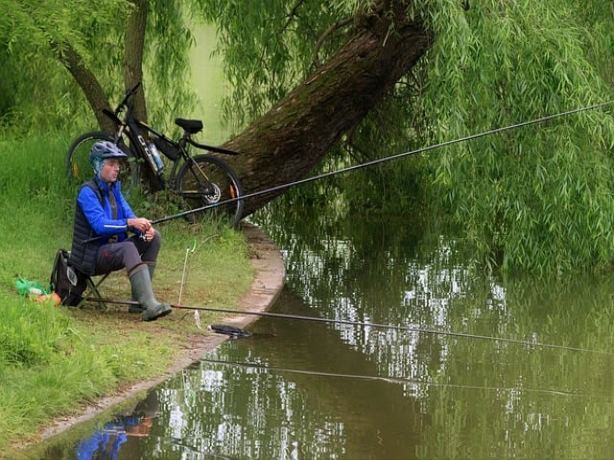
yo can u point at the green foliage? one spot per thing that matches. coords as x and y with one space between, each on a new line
535 199
268 47
39 92
33 32
168 40
539 198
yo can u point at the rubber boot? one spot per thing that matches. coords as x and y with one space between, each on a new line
141 308
141 286
135 308
152 268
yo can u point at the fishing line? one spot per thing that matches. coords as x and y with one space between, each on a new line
383 160
366 325
386 379
188 251
371 163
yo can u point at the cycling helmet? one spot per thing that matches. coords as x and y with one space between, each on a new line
103 150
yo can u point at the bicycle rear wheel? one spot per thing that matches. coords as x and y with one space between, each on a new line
78 169
206 180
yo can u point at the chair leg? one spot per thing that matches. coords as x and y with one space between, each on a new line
93 287
104 277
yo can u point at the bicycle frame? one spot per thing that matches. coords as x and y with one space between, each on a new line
140 133
133 129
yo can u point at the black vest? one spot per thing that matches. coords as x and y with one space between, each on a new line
83 255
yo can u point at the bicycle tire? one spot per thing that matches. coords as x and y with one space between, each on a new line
219 184
78 169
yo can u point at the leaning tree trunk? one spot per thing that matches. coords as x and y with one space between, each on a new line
90 86
290 139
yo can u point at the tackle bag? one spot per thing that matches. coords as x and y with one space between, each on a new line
65 281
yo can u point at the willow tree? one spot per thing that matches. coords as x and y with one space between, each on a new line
367 78
52 47
536 199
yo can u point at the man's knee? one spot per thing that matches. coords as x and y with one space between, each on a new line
115 256
152 247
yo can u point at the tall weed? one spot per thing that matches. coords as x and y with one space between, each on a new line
31 333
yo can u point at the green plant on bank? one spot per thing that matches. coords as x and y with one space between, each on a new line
52 360
51 364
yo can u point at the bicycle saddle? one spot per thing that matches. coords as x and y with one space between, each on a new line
191 126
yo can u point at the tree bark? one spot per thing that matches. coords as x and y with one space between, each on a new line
133 56
290 139
90 86
133 73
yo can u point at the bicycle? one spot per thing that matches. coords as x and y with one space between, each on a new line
200 180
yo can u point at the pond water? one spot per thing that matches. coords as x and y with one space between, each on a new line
298 389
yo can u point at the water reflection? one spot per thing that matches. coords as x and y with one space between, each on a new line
460 398
107 441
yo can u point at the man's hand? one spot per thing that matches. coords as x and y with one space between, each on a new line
139 223
149 234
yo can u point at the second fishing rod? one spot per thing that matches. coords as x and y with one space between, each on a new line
400 328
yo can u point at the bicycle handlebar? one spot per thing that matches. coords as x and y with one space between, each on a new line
115 118
126 97
114 115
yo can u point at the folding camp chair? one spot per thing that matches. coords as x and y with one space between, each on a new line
92 287
85 284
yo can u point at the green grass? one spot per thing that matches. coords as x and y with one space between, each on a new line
54 360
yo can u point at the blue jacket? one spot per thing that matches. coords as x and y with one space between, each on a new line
93 217
99 215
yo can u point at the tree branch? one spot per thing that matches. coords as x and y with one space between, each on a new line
331 29
292 15
88 82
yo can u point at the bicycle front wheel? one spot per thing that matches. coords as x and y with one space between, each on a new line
78 169
205 180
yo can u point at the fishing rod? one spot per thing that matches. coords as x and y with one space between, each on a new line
364 324
378 378
383 160
371 163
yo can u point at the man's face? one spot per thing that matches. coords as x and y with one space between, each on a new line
110 170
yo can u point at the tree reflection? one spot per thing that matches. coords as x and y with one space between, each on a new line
470 398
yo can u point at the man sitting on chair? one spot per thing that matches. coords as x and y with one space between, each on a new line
103 212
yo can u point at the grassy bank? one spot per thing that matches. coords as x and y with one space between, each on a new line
53 360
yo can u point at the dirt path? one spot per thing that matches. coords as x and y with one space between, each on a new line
268 282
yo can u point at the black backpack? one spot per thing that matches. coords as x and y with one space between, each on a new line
65 281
